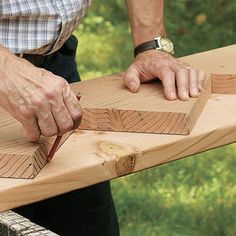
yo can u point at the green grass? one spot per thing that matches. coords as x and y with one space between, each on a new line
195 196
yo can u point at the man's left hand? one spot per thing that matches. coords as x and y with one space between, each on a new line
179 79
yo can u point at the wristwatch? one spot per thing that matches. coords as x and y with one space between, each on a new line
159 43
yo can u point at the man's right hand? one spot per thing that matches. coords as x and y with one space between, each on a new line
40 100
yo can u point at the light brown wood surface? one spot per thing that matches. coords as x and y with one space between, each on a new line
223 83
109 105
18 157
89 157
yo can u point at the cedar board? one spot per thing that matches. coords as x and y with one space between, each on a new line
90 157
107 105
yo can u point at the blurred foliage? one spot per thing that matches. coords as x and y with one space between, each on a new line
105 39
195 196
194 26
200 25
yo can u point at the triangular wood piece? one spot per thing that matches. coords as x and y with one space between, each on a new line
108 105
20 158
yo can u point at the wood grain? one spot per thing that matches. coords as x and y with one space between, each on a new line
108 105
223 83
18 157
90 157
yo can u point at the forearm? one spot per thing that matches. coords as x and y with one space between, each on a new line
4 51
146 19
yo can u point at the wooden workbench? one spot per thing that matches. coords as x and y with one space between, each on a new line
89 157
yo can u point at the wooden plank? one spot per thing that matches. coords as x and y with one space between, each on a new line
18 157
89 157
108 105
13 224
111 107
223 83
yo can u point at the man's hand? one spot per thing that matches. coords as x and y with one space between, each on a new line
40 100
179 79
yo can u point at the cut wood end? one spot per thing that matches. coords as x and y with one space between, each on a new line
122 157
223 83
125 165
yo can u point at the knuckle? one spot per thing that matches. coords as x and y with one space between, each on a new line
77 115
50 93
62 84
34 136
49 132
181 70
168 83
66 126
37 101
165 75
127 78
170 75
183 91
25 113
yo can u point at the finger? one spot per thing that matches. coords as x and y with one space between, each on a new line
43 113
131 79
201 79
62 116
168 81
47 123
29 121
193 89
182 80
32 129
74 108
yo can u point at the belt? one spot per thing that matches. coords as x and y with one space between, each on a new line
67 49
36 59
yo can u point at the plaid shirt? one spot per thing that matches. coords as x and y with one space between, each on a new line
39 26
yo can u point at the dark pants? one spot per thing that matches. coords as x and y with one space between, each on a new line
86 212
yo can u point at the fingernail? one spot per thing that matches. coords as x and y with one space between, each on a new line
185 95
133 86
195 91
172 95
200 87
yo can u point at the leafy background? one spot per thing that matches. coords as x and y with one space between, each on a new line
193 196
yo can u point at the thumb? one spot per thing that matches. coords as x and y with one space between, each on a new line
131 79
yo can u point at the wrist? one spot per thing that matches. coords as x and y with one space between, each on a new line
146 19
158 43
148 34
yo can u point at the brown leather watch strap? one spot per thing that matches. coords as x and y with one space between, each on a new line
153 44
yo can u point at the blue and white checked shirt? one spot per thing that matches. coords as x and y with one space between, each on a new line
39 26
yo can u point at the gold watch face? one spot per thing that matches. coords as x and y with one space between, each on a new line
166 45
